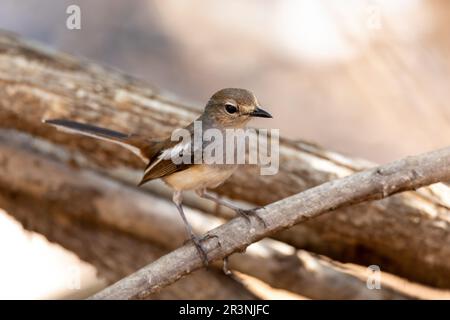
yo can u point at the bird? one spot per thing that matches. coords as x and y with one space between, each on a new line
229 108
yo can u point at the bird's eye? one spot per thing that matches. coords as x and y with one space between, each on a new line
230 108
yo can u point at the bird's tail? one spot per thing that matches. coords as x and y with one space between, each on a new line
140 146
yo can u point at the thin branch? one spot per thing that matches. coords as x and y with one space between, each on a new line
405 174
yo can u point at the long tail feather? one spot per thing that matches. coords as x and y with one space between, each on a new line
87 129
138 145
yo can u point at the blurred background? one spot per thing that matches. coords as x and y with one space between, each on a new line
365 78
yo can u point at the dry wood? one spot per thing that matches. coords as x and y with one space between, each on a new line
135 216
36 84
405 174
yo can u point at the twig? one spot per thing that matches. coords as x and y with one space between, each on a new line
405 174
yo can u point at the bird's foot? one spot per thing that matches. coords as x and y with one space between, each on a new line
247 213
198 245
201 251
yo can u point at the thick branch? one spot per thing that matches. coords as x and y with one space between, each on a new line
406 174
37 84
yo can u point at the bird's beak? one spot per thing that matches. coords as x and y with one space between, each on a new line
258 112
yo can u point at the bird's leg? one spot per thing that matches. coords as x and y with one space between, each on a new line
246 213
177 199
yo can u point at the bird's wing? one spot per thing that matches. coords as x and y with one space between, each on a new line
162 163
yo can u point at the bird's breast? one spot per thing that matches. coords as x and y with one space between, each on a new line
200 176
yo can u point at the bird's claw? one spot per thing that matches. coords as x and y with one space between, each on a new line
247 213
201 251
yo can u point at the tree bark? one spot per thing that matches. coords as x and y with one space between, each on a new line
383 181
36 84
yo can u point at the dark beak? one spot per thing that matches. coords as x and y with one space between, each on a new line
260 113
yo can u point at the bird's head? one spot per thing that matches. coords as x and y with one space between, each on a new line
233 107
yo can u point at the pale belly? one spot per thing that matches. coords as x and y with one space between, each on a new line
199 176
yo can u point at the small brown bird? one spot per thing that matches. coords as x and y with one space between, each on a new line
229 108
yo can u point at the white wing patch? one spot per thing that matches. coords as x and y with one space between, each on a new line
176 151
